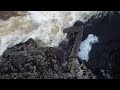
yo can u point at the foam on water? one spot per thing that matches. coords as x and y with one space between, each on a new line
45 27
86 46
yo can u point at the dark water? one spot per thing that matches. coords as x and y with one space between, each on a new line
4 15
105 55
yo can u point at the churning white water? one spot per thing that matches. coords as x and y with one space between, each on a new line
45 27
86 46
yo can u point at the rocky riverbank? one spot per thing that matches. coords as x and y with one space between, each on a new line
27 61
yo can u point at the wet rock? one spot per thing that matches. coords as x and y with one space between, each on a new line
78 39
104 58
18 60
21 62
74 36
80 71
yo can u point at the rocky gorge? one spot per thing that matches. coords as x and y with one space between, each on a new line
28 61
